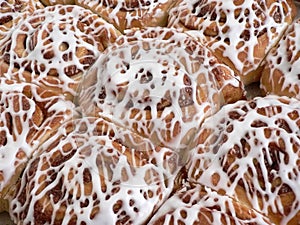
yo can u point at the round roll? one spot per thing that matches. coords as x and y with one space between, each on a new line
251 151
54 46
202 206
160 84
281 72
125 14
240 33
93 172
28 116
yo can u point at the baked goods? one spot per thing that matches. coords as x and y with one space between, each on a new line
125 14
281 72
240 33
11 12
202 206
28 116
150 92
58 2
10 9
87 174
54 46
160 84
250 151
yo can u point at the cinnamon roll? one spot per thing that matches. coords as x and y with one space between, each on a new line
28 116
54 46
88 174
160 84
240 33
201 205
251 151
281 72
125 14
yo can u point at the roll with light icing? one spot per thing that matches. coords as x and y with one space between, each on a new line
281 72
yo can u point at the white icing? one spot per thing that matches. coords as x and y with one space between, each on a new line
285 59
11 12
255 17
10 9
59 41
17 127
129 175
146 68
269 140
137 10
192 202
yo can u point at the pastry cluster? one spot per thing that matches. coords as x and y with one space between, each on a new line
142 112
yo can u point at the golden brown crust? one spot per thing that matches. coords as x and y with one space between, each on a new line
58 2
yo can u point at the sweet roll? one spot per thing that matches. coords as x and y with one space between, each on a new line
250 151
28 116
160 84
281 72
240 33
54 46
201 205
87 173
126 14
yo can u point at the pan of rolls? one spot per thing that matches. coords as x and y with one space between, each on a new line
161 112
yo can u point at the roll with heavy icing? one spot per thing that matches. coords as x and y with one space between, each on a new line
250 150
239 32
160 84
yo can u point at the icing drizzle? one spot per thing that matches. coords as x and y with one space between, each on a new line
281 75
125 14
202 205
28 114
239 31
158 83
88 174
250 151
55 45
